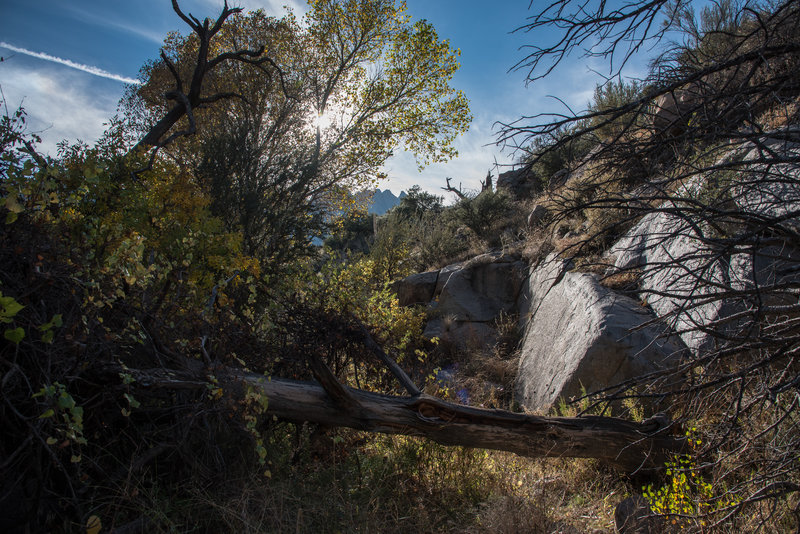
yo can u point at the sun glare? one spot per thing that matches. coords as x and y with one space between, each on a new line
332 116
323 121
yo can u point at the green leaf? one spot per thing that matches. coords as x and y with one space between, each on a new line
47 413
11 217
55 321
47 337
77 415
12 205
132 401
15 336
65 401
9 307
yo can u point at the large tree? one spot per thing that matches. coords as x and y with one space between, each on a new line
336 97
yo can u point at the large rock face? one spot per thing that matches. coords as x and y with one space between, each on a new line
480 289
770 190
473 295
667 285
580 335
466 298
679 267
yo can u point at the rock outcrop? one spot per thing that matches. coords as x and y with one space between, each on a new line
482 288
678 266
520 183
417 288
581 336
666 285
672 111
537 216
466 298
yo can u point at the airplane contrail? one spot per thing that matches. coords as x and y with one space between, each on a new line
69 63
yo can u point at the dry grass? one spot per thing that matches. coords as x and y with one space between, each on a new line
396 484
623 281
781 116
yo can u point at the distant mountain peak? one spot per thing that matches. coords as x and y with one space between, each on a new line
383 201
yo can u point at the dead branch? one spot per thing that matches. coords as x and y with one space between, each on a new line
187 102
452 189
395 369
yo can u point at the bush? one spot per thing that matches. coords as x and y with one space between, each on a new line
484 215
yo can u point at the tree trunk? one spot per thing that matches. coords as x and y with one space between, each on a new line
627 445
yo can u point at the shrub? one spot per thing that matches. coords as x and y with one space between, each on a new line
484 214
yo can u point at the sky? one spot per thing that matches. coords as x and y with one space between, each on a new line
68 62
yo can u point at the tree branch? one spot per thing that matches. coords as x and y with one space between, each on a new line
395 369
452 189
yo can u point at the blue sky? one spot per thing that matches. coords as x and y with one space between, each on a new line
88 48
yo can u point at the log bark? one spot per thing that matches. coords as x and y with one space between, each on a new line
630 446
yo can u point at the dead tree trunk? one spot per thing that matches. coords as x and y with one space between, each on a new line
632 447
185 102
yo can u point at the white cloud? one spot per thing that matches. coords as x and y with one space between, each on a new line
134 29
270 7
61 104
69 63
477 155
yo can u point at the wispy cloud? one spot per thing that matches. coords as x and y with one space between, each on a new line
271 7
138 30
95 71
61 104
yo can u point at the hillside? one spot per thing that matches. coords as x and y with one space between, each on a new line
606 341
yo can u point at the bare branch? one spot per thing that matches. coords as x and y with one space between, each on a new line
395 369
452 189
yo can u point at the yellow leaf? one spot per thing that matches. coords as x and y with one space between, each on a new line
12 205
93 525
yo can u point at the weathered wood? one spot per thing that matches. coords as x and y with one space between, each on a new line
630 446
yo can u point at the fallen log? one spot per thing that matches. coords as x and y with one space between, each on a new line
629 446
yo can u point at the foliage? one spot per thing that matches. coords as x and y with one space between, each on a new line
614 95
107 271
420 232
548 155
418 204
483 214
354 233
686 498
319 122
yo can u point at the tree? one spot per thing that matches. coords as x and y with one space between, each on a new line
707 152
185 103
356 82
418 203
